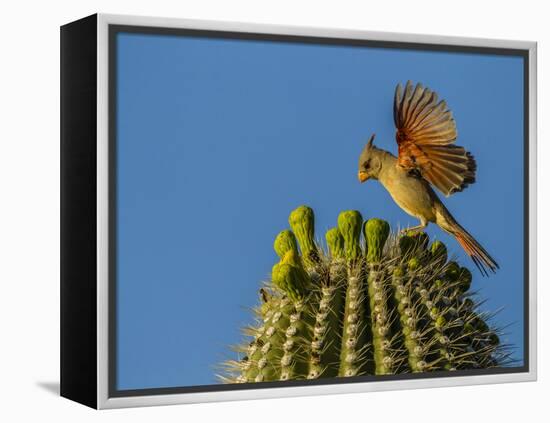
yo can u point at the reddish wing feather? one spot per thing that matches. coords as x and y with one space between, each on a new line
426 132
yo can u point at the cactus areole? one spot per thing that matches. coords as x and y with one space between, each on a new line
371 303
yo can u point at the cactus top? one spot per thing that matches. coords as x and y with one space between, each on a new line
302 222
349 224
410 312
335 242
376 234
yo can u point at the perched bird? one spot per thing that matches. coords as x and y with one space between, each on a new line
427 156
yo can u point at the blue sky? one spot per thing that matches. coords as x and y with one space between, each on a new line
218 140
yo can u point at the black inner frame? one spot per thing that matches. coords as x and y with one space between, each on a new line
114 30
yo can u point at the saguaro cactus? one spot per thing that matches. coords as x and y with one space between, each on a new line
389 304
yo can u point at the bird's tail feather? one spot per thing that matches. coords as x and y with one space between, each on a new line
477 253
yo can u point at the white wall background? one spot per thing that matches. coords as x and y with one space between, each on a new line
29 211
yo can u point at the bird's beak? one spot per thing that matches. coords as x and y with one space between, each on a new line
362 176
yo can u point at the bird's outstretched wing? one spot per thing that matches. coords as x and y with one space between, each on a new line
426 132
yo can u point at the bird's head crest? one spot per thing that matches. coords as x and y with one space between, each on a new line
370 142
369 146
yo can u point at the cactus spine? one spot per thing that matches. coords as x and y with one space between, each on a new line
393 304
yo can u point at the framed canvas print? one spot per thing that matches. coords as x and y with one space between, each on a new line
253 211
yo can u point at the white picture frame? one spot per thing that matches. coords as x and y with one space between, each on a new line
95 391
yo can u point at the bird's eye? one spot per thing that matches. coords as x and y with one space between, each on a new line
366 164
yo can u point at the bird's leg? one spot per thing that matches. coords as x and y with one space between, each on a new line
419 228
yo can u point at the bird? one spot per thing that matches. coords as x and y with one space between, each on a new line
427 158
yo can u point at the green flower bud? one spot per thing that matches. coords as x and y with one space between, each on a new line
302 222
414 264
481 326
284 242
439 284
335 242
349 224
439 251
398 272
290 279
291 257
494 339
376 233
468 303
465 278
406 244
421 240
453 271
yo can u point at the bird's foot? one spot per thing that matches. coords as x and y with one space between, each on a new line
412 230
